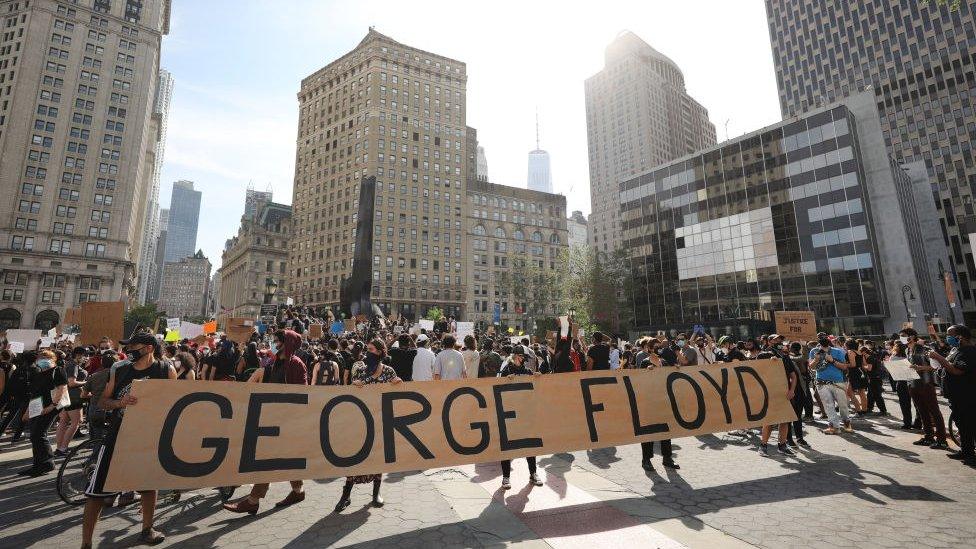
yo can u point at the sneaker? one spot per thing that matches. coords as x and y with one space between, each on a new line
534 480
925 441
940 445
763 450
506 484
670 464
59 453
151 536
792 443
803 442
785 450
960 455
647 465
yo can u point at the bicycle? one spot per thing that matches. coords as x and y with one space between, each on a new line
76 471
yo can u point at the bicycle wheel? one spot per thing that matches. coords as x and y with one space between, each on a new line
76 471
953 428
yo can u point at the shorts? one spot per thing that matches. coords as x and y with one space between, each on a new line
96 486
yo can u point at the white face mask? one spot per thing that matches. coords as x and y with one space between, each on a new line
904 340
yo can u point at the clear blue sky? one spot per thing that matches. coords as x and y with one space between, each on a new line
238 66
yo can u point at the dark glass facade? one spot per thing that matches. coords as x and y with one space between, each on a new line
775 220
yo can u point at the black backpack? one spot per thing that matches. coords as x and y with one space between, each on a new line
18 385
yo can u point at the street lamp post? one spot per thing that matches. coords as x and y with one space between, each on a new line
907 290
270 288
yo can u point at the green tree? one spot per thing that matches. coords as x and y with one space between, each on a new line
539 292
953 4
600 290
435 314
143 314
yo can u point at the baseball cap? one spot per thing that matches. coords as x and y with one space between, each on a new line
518 350
140 338
422 338
774 337
724 339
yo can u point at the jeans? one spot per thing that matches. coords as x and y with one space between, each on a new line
905 402
647 450
834 395
875 395
39 444
507 466
928 409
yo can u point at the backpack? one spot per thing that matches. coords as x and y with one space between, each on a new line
18 386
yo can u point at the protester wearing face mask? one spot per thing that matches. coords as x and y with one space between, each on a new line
727 351
776 350
829 362
961 388
922 391
285 368
686 354
367 372
142 351
516 366
48 385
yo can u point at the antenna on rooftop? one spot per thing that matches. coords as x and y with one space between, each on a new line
537 128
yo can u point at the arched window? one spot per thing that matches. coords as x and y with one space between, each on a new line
537 237
479 230
519 235
499 232
554 239
9 319
46 320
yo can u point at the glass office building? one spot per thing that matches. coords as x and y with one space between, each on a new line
778 219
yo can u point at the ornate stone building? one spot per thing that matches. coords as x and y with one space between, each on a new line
258 252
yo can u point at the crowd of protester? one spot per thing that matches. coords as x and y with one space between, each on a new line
83 391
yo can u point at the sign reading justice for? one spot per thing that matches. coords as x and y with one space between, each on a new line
185 435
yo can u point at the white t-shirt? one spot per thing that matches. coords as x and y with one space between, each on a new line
614 358
472 359
449 364
423 365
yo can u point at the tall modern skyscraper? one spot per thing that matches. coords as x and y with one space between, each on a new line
638 115
395 112
75 125
918 60
156 280
147 259
184 216
540 174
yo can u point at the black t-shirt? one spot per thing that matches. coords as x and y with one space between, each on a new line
402 362
600 354
125 374
43 382
961 389
346 364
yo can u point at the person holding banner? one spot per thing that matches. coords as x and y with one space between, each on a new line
370 370
287 369
142 362
649 360
516 366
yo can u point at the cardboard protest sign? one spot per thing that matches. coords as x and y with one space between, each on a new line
101 319
195 435
239 329
900 369
26 337
796 325
349 325
315 331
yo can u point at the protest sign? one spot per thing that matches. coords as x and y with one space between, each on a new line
101 319
196 435
172 324
16 347
336 327
464 329
563 326
426 324
172 336
796 325
52 333
349 325
900 369
46 343
26 337
315 331
210 327
239 329
190 330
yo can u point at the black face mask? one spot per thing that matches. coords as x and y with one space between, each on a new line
135 354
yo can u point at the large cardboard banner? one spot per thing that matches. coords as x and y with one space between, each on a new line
100 319
797 325
184 435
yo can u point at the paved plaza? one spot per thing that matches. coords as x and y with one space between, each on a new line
869 489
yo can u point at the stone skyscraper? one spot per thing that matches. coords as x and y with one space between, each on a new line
77 137
184 217
395 112
918 60
638 115
147 259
